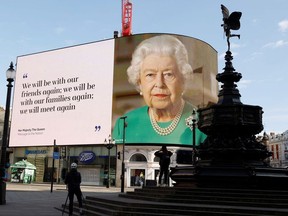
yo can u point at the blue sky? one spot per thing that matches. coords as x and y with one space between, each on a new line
261 55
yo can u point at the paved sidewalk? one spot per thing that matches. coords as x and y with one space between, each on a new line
36 199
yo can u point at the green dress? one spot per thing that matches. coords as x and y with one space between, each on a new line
139 129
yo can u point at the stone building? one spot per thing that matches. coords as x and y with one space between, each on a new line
278 145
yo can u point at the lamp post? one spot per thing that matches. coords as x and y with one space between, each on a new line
123 152
191 123
109 146
10 75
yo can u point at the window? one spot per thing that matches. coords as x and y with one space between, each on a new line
156 159
184 157
138 157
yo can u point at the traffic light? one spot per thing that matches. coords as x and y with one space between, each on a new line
7 165
2 172
119 155
56 149
63 152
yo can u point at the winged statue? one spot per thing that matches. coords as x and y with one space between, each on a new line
230 22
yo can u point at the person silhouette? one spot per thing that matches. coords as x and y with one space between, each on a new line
73 180
164 163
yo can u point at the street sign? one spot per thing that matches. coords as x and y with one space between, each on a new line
56 155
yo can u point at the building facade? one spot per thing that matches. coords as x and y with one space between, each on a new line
92 162
278 145
141 159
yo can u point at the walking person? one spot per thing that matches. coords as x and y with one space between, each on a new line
164 163
73 181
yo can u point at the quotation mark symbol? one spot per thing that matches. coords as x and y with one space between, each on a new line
25 75
97 128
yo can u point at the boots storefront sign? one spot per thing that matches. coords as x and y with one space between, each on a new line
87 157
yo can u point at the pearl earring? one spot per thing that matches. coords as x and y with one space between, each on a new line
141 93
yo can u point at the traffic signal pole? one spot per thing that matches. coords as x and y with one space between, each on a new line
123 154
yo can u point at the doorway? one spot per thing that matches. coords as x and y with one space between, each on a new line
137 177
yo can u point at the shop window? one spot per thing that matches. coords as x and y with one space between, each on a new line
184 157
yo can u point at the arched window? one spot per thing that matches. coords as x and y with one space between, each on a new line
138 157
156 159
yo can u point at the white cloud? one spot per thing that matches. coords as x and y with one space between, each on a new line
70 42
234 53
59 30
242 84
234 45
283 25
279 43
254 56
221 56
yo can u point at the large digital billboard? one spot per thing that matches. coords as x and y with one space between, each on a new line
79 95
158 80
63 95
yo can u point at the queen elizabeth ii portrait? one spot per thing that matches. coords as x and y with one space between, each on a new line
160 72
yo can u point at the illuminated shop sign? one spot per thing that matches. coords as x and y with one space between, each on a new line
27 152
87 157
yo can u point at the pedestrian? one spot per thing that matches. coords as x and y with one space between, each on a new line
142 178
73 181
164 163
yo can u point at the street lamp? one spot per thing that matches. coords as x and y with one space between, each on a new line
123 152
109 146
191 122
10 75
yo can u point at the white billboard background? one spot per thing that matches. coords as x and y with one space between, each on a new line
63 95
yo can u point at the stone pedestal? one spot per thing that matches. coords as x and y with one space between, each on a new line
231 156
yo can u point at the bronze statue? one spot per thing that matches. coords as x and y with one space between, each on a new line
231 22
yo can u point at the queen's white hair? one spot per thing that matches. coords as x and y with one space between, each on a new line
165 45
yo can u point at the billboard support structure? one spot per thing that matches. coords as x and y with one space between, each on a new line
123 152
53 165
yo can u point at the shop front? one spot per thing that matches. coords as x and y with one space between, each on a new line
38 156
92 163
142 166
23 172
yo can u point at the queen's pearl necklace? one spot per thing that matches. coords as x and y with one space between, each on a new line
167 130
